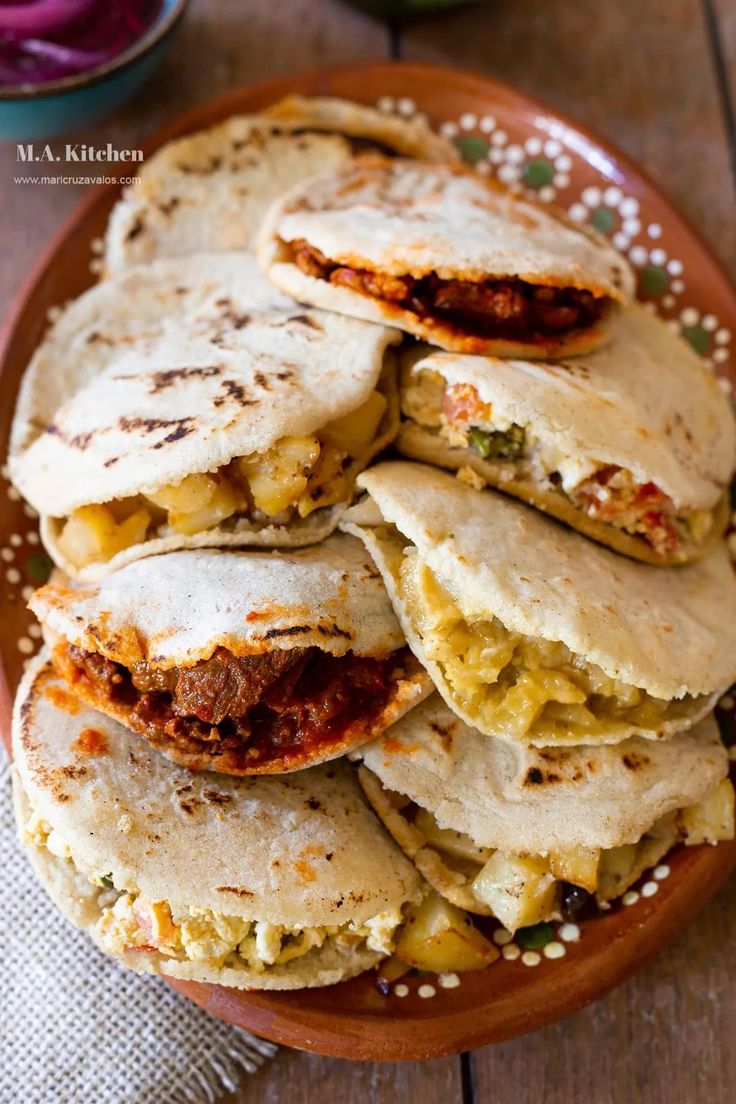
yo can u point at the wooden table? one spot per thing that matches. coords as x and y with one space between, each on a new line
657 77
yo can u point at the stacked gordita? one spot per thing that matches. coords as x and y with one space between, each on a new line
391 586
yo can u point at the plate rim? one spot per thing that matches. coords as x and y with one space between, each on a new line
708 867
656 926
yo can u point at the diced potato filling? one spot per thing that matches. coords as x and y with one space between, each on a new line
92 533
199 502
579 866
456 844
298 474
519 889
279 477
439 937
524 889
524 687
353 433
328 484
712 819
192 494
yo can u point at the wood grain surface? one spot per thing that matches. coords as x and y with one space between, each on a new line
656 77
222 43
640 73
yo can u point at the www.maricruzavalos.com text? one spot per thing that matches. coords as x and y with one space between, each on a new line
125 180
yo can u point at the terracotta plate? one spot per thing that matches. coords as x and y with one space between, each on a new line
524 144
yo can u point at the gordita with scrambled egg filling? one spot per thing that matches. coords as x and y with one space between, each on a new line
633 445
445 255
526 834
243 421
257 883
533 633
240 662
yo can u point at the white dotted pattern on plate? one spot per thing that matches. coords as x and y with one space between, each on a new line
512 949
541 165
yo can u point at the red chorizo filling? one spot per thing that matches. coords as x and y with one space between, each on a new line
249 708
509 308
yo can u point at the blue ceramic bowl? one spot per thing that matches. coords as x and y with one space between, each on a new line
42 110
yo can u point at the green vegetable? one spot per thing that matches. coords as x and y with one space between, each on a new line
534 937
500 445
479 440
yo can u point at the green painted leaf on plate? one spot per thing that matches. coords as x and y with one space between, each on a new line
698 337
604 219
472 147
538 173
654 279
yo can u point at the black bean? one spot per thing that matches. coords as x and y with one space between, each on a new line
574 900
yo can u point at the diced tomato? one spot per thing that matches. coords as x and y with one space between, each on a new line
649 494
659 531
462 404
643 509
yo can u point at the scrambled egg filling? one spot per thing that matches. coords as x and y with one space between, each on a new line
528 688
297 475
130 921
605 492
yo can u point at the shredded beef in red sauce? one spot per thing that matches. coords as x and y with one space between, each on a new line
271 702
500 308
219 687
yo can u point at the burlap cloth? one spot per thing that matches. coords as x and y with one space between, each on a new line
76 1028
